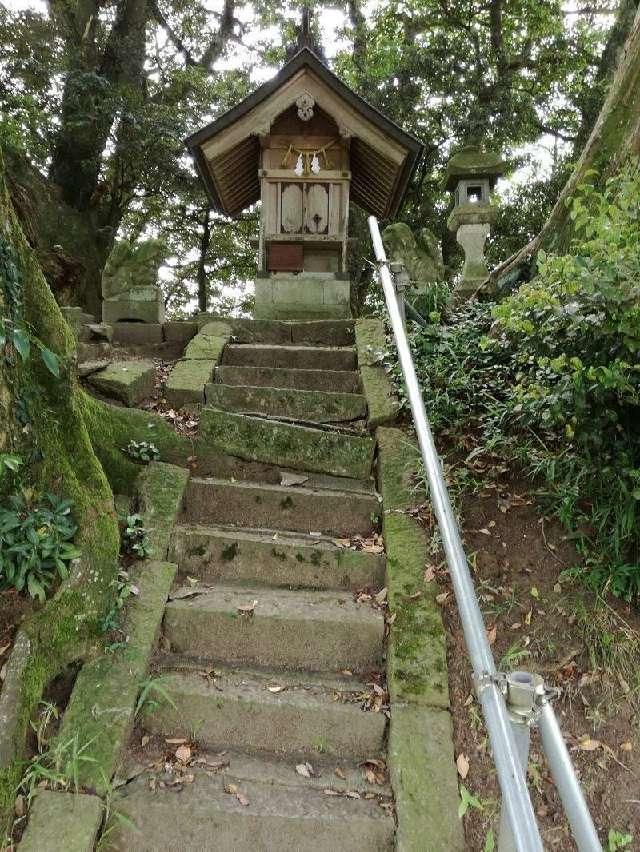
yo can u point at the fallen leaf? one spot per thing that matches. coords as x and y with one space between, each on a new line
275 688
462 765
339 773
381 597
329 792
429 574
305 769
176 741
287 478
557 588
144 740
351 794
626 746
183 753
441 598
4 648
492 633
342 542
587 744
233 790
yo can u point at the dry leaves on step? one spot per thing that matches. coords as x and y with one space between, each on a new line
276 689
234 790
248 609
305 769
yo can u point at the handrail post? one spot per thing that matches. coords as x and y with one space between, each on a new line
515 795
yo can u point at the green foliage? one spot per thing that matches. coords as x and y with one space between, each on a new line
135 541
142 451
59 768
124 589
550 378
617 840
153 693
35 544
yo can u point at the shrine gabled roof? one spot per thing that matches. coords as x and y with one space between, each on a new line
227 151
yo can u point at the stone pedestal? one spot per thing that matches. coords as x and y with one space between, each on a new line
144 304
308 295
472 225
130 287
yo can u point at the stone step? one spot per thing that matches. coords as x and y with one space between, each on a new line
277 810
335 381
295 715
310 631
127 381
340 358
328 450
275 559
299 509
312 406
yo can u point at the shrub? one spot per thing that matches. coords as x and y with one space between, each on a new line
35 544
550 377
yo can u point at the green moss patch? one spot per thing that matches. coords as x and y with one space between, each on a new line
127 381
382 403
288 445
160 488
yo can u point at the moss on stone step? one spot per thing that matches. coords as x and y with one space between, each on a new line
420 753
316 406
381 399
185 385
62 821
127 381
285 444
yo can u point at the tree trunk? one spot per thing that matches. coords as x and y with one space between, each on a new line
614 139
203 284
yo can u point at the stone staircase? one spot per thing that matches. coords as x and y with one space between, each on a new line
269 658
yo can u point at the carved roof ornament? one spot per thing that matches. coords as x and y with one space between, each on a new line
305 104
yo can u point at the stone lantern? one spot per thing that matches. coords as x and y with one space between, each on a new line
471 176
306 146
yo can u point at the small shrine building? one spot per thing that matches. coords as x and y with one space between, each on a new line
305 145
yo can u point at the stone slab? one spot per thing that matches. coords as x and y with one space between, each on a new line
315 406
293 311
286 444
265 558
371 341
137 333
180 331
127 381
278 815
294 357
236 710
206 346
424 780
62 821
382 402
417 661
187 380
132 309
244 504
307 631
160 490
322 380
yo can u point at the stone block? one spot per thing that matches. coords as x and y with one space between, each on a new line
127 381
315 406
288 445
205 346
180 332
382 403
424 780
186 382
62 821
140 305
137 333
336 292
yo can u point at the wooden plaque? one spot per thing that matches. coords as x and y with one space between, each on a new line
284 257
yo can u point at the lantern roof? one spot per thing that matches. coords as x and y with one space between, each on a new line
382 155
471 161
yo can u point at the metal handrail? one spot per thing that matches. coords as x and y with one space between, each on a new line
508 731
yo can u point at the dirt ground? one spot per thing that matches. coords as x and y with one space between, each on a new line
540 621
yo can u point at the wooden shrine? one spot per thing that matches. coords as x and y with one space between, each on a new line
306 146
